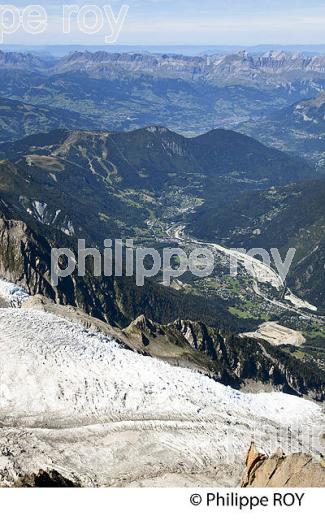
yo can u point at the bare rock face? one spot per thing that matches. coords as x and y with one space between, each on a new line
298 470
48 479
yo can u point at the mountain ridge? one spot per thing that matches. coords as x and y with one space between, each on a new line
188 94
298 129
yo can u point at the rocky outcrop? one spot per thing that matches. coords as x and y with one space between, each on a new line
247 360
168 343
230 359
45 479
297 470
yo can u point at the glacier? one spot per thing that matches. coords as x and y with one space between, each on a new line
75 400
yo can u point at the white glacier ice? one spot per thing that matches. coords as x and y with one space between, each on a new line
12 294
77 401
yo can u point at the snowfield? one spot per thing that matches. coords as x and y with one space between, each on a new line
75 400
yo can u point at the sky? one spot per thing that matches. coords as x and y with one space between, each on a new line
179 22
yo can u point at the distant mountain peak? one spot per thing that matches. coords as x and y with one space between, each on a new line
19 60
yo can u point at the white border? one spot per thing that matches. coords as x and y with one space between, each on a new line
151 504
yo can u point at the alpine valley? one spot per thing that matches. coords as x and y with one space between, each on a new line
124 384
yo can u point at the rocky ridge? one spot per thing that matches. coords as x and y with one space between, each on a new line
297 470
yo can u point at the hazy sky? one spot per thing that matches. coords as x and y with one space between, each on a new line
194 22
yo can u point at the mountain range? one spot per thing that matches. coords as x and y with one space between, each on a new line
267 68
139 185
298 129
18 119
105 382
140 176
126 176
124 91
